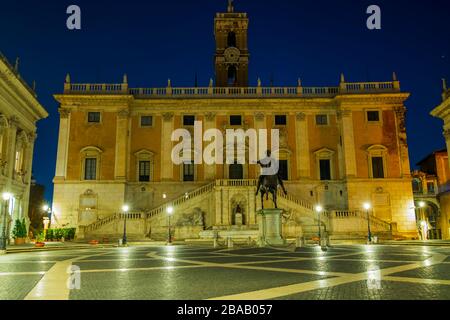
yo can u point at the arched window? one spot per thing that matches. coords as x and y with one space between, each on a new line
232 76
231 40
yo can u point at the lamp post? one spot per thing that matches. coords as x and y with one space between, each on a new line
367 207
125 210
46 208
319 210
422 220
3 238
169 234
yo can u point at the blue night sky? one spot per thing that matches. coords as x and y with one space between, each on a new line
152 41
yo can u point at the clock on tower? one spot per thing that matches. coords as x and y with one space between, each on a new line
232 56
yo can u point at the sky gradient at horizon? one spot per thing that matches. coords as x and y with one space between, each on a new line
152 41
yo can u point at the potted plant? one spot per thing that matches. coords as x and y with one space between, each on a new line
20 232
40 238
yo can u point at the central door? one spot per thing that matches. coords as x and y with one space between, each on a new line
236 171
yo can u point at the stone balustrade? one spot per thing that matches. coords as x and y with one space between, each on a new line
232 92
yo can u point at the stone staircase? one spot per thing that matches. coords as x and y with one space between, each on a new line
300 215
145 217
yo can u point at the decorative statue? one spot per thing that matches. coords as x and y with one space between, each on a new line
269 179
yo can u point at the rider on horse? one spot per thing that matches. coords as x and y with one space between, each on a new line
269 167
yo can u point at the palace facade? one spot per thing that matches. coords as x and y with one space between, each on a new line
340 147
443 112
19 113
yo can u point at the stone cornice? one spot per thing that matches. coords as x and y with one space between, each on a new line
21 92
74 101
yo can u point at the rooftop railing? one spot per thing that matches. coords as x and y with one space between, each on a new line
232 92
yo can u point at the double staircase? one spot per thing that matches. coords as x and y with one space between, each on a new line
336 223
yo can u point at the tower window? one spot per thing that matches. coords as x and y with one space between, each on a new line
232 76
280 120
231 40
235 120
90 169
188 120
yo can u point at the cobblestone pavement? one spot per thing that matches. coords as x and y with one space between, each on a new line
193 272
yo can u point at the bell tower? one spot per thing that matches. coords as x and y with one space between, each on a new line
232 57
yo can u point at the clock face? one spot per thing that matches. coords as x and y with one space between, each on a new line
232 55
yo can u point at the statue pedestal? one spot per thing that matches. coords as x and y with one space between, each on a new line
238 219
270 227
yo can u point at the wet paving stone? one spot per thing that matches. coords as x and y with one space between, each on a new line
180 284
332 266
17 287
437 272
127 264
384 290
25 267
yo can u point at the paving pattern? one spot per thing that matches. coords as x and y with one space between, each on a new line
200 273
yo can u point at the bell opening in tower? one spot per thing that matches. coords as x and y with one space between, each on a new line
231 39
232 76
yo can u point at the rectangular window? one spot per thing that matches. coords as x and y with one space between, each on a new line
188 171
283 170
146 121
90 169
325 169
373 116
280 120
377 167
235 120
188 120
321 120
94 117
144 171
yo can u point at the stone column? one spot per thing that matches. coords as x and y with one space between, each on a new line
120 167
302 146
447 141
11 147
348 142
210 123
63 144
219 207
166 147
403 144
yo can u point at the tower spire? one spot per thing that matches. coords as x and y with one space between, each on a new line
230 6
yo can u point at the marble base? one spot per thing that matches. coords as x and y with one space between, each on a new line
270 227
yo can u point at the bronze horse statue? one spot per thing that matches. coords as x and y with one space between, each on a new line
269 184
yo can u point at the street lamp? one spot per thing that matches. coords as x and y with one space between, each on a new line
125 210
367 207
46 208
169 215
6 197
319 210
422 219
